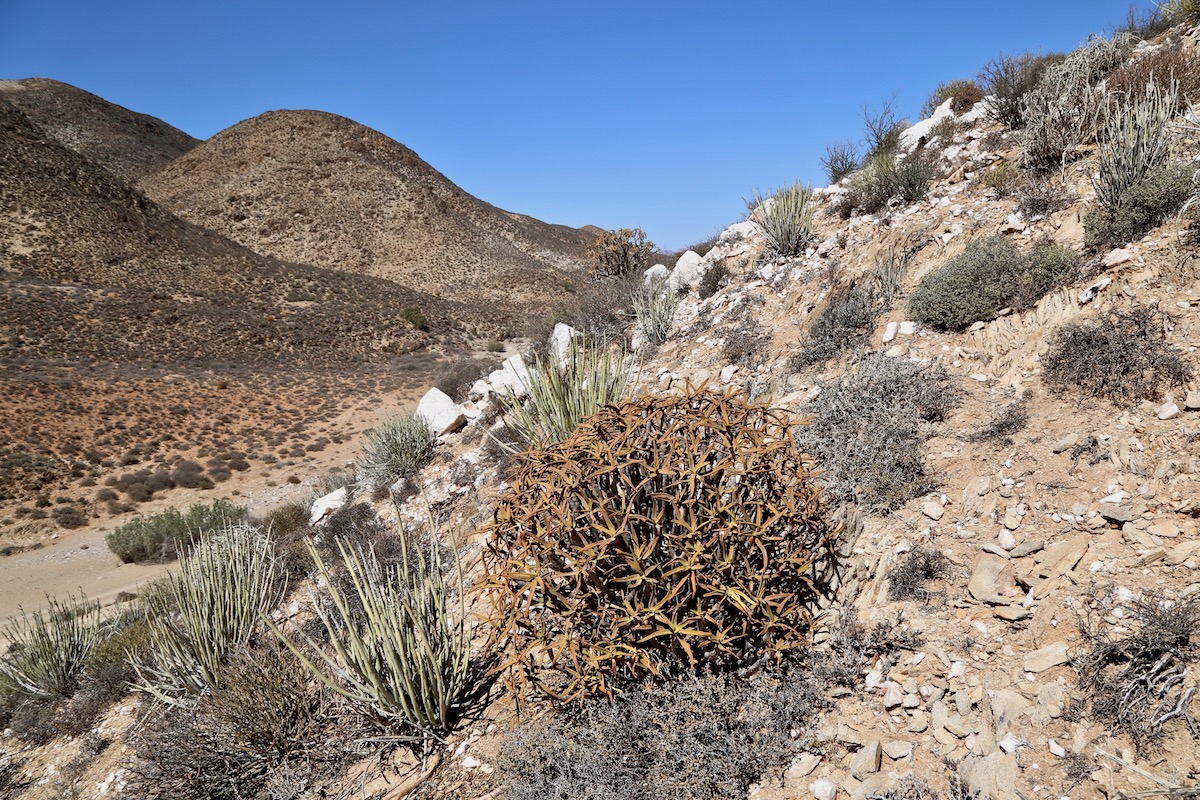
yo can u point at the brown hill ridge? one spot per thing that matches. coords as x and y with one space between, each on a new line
94 270
321 189
128 144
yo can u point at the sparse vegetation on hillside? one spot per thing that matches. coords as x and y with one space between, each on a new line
589 540
840 159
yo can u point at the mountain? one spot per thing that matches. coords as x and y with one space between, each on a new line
321 189
92 269
126 143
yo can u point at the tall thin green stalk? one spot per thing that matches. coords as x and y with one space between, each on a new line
563 395
786 217
655 304
1137 138
212 607
410 661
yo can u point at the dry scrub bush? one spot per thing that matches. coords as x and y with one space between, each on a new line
964 93
1154 199
700 737
1137 682
620 252
1008 79
1160 67
906 580
867 432
840 159
1122 357
885 178
989 276
845 324
169 534
666 534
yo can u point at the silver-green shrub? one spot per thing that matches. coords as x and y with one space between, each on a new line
654 304
396 449
786 218
410 660
561 395
1136 138
210 608
48 649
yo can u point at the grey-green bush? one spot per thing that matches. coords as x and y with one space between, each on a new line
48 649
1136 140
867 431
654 304
169 534
786 218
990 275
396 449
1149 202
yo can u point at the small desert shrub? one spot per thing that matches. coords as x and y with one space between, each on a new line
48 649
745 341
845 324
655 304
710 284
882 129
588 543
605 306
1003 424
964 94
1008 79
1149 202
1065 110
1003 179
1121 357
1137 682
853 648
786 218
409 663
913 174
396 449
701 737
620 252
840 159
212 607
867 432
455 377
906 580
990 275
283 522
415 317
69 517
1042 196
168 534
563 395
885 177
1184 10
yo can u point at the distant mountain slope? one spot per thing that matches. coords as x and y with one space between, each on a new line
126 143
92 269
322 189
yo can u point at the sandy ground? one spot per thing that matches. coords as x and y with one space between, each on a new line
79 561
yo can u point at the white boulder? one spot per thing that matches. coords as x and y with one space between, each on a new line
689 270
656 274
560 341
512 377
441 413
325 506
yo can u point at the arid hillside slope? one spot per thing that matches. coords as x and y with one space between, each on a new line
126 143
321 189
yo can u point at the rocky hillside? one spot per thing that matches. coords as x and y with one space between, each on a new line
126 143
95 270
321 189
991 346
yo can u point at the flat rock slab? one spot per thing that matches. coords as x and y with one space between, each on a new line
986 578
1042 659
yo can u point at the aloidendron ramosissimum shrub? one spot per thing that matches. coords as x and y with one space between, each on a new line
786 217
989 276
667 533
620 252
211 607
396 449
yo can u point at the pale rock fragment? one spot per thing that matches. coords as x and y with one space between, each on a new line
1042 659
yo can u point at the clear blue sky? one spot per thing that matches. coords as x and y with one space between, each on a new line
662 115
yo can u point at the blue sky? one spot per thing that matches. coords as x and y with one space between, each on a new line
662 115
